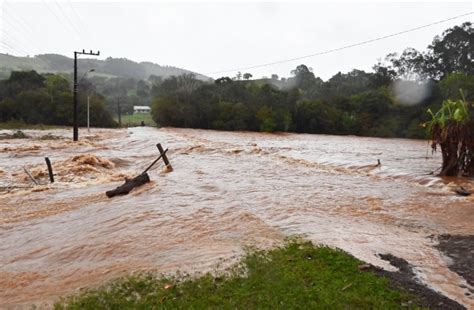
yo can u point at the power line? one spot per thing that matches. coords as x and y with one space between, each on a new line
11 39
11 48
18 28
342 47
83 26
57 17
71 24
17 24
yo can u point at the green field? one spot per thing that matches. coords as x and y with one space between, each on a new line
297 276
136 119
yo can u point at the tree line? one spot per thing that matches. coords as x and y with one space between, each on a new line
47 99
391 101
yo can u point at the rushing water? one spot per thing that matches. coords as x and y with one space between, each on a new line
227 191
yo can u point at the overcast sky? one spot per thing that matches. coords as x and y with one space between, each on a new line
206 37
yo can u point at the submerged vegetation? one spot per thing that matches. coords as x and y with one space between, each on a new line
298 275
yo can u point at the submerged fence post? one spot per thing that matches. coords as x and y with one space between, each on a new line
29 174
50 169
165 158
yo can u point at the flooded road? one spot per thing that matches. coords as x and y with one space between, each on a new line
227 191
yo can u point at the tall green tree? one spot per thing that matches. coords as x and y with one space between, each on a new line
452 52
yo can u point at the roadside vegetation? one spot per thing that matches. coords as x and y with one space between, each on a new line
296 276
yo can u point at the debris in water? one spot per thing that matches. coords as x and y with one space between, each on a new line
168 166
462 191
141 179
129 185
364 266
29 174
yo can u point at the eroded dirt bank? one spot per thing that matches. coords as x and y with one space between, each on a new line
227 191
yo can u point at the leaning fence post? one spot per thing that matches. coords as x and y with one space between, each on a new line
29 174
165 158
50 169
141 178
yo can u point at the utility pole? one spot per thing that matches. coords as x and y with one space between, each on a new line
88 115
119 112
75 132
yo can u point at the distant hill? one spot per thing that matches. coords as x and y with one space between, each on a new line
113 67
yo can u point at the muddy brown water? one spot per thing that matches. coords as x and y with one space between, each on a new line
228 190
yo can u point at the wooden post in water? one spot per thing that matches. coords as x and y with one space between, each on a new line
29 174
50 169
119 112
165 158
129 185
136 181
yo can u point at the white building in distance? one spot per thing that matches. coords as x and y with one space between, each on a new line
141 109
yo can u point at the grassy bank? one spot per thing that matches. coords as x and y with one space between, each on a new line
298 275
136 119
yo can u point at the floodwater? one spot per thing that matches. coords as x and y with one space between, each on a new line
227 191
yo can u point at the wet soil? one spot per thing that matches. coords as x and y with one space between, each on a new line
460 250
405 278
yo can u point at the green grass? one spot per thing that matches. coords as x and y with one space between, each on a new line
135 120
297 276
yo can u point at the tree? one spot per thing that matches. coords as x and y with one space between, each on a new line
452 52
346 84
452 129
266 117
143 90
223 80
274 77
383 75
56 84
247 76
238 75
20 81
99 116
411 65
304 77
8 110
315 116
187 83
453 82
166 88
37 99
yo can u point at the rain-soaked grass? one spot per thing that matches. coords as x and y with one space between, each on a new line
298 275
131 120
